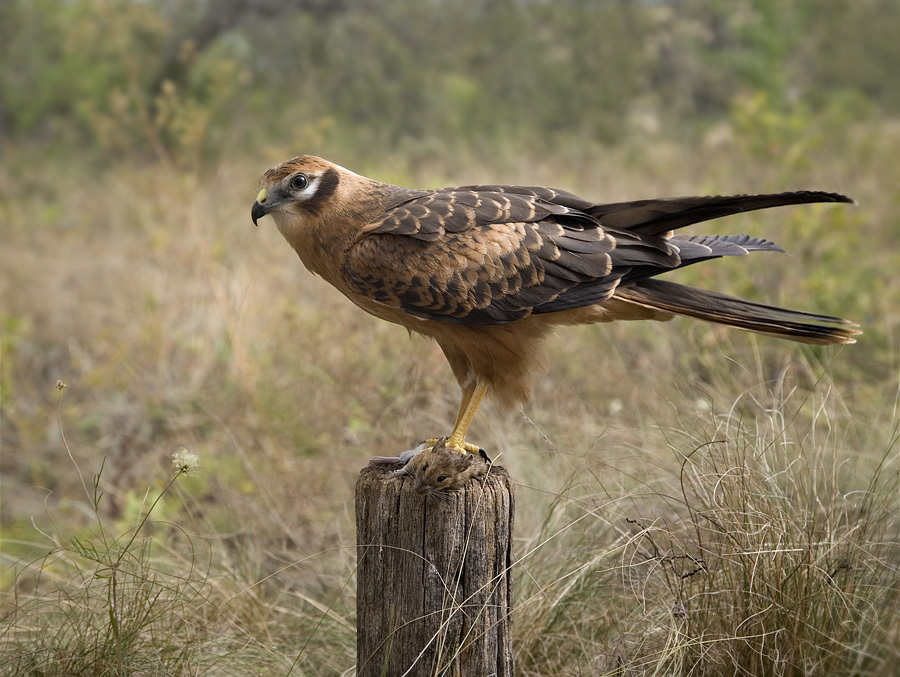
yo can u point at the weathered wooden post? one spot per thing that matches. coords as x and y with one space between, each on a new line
434 584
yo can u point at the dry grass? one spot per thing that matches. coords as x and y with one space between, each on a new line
691 501
765 547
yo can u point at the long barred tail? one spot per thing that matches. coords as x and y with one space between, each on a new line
760 318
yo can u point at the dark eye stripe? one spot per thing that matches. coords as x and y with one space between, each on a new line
325 188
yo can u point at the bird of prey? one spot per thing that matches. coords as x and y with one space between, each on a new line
488 270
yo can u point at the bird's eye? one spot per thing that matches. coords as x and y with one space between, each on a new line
441 478
299 182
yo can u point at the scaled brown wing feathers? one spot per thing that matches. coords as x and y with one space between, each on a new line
490 256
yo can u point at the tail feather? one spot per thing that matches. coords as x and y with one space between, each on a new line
655 217
697 248
795 325
725 245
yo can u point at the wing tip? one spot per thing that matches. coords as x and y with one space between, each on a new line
829 197
840 197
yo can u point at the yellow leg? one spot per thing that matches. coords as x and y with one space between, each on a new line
467 393
472 398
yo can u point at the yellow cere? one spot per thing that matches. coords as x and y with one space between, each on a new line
261 197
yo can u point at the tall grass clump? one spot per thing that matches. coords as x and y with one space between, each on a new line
772 551
99 596
105 598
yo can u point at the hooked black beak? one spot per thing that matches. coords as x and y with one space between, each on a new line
260 207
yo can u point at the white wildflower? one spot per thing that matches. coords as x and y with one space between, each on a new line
615 406
186 462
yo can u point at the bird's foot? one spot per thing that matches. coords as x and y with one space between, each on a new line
459 446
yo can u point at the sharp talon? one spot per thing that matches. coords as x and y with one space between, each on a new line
483 454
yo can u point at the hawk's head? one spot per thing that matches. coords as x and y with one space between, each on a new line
299 187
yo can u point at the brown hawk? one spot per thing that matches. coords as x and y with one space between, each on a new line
487 271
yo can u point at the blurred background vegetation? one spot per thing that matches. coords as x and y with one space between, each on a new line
108 79
132 135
